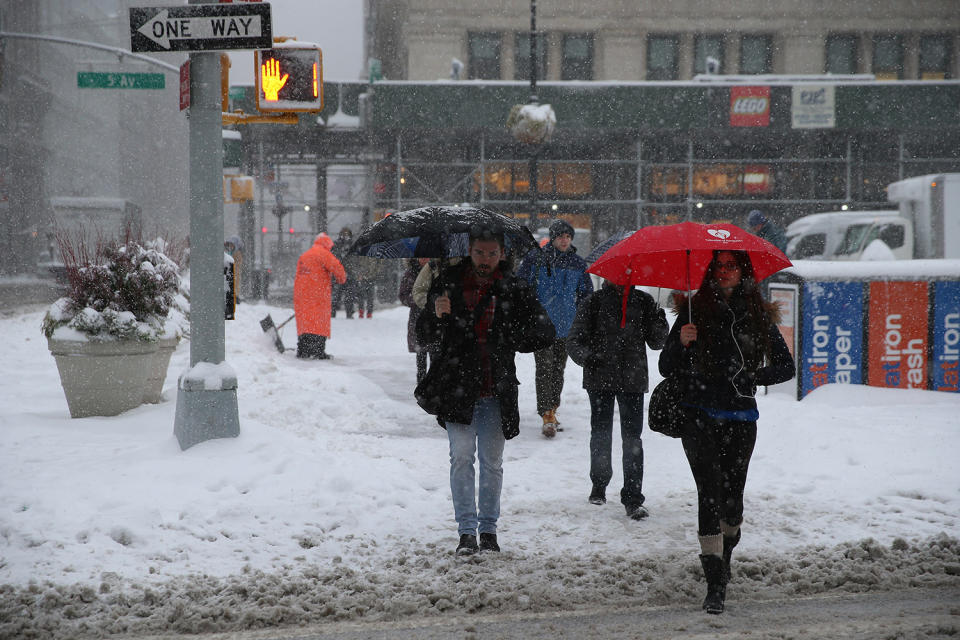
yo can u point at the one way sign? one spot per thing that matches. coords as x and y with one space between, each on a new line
201 27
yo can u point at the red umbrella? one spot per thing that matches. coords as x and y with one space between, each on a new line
677 255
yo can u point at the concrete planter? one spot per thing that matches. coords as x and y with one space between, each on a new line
158 371
103 378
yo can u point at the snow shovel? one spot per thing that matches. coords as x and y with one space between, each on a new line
272 330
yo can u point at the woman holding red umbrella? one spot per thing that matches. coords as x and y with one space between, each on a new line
723 345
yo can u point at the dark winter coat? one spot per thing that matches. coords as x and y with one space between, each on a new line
561 280
614 358
774 235
452 384
405 293
723 368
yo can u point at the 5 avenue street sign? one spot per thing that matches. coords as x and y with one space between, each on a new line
201 27
114 80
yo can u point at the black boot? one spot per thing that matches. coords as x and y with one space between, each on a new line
729 542
713 571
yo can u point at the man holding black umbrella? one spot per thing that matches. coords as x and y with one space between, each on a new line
478 315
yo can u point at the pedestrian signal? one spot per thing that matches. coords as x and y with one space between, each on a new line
289 79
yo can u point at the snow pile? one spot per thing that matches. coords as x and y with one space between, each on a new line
532 123
333 503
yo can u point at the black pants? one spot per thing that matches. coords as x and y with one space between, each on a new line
421 364
343 294
550 363
601 442
311 345
719 454
365 294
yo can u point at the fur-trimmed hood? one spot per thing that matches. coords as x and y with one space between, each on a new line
772 309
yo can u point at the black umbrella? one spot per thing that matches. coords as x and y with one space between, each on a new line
605 246
439 232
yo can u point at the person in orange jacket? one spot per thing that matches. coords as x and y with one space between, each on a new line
311 297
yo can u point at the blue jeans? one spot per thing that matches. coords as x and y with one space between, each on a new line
484 436
601 442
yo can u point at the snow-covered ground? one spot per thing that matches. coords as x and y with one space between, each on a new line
334 503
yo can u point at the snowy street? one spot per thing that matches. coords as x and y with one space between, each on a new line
332 508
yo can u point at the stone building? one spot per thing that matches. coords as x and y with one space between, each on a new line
628 40
665 109
87 137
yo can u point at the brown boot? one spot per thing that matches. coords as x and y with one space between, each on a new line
549 424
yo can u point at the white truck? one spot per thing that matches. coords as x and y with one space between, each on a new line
933 203
927 225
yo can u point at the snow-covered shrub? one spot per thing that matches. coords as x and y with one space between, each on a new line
120 291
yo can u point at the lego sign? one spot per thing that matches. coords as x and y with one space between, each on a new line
749 106
897 336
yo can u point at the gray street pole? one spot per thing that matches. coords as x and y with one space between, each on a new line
534 172
207 392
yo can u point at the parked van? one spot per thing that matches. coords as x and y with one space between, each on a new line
846 235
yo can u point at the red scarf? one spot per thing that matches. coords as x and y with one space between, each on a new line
473 291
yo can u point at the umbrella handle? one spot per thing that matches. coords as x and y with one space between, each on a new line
689 296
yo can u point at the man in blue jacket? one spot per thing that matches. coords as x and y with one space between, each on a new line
561 280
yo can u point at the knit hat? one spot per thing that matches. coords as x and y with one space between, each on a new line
755 218
559 227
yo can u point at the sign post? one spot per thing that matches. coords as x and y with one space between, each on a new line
207 392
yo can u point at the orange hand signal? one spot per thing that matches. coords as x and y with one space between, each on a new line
270 80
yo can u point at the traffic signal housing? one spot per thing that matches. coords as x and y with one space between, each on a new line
289 78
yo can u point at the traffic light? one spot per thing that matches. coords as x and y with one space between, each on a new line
289 78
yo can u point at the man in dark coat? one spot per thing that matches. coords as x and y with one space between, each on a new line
478 315
761 227
344 293
609 339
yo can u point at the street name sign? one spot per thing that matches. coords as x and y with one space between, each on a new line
201 27
115 80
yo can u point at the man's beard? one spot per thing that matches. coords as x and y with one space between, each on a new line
483 270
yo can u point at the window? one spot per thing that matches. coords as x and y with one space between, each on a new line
841 54
888 57
662 57
809 246
934 57
756 54
704 46
521 56
577 62
569 179
484 61
891 234
853 239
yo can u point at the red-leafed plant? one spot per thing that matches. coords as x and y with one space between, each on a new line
116 289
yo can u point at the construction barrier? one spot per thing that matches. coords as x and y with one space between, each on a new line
889 324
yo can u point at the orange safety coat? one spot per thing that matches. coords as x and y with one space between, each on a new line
311 287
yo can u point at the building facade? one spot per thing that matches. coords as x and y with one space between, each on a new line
805 106
665 110
87 138
628 40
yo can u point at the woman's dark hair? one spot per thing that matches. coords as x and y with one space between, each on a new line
708 301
